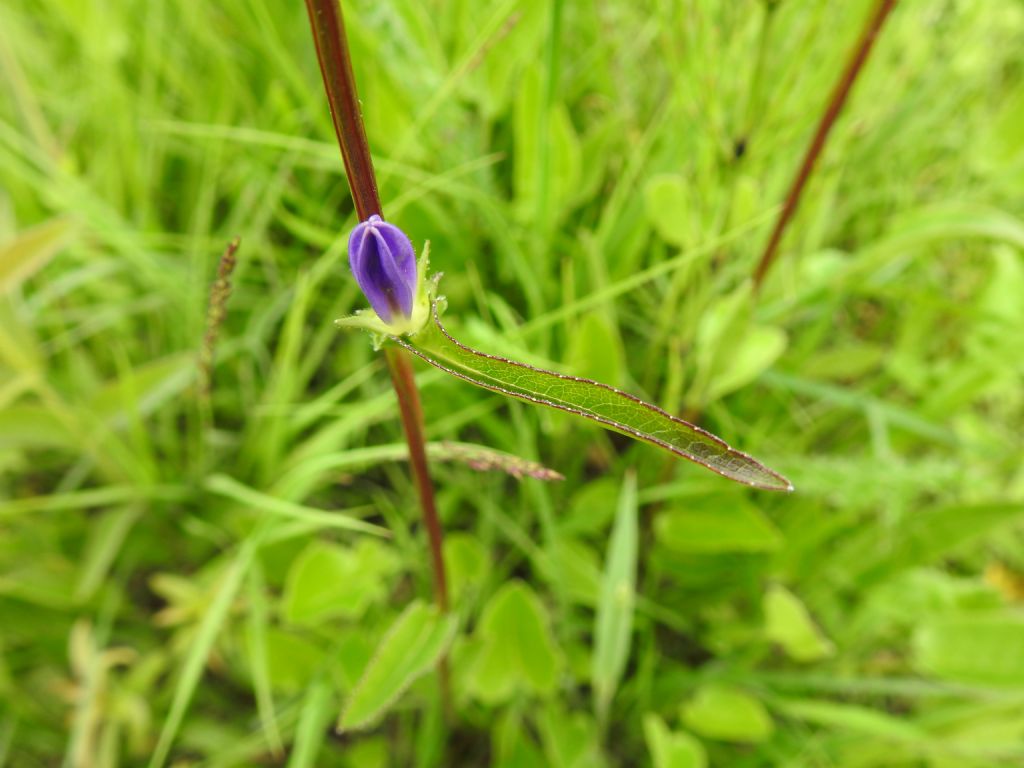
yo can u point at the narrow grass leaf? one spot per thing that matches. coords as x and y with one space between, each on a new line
106 496
613 625
605 405
226 486
310 732
27 425
936 223
31 250
853 399
140 391
268 432
114 405
851 717
199 651
257 641
412 645
106 537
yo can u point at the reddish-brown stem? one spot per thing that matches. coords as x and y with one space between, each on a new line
840 92
339 82
412 422
336 67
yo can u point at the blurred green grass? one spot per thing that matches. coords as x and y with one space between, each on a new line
170 580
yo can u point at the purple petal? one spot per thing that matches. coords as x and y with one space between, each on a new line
384 265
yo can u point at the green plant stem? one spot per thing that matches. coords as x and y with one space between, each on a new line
328 27
840 93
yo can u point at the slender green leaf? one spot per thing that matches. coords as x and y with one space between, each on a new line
30 251
564 168
257 646
942 221
410 648
605 405
141 390
27 425
199 651
232 489
613 624
106 537
310 733
91 497
851 717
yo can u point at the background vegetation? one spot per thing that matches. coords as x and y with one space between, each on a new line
170 588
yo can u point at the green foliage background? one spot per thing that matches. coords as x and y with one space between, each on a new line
171 590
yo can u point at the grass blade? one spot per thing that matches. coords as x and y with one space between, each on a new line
257 638
310 733
613 625
213 621
31 250
232 489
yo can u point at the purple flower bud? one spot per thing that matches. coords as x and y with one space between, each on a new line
384 263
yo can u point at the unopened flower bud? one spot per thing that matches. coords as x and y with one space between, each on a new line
384 264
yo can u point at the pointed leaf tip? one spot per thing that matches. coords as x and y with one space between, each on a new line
609 407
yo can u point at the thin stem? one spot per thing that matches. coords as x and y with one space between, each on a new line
339 82
412 422
840 92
